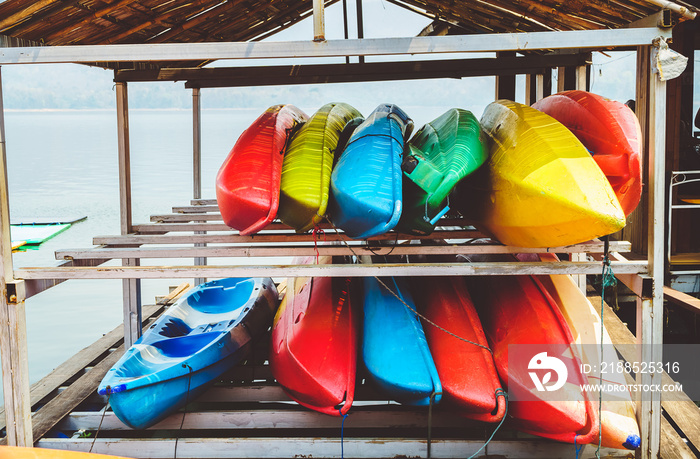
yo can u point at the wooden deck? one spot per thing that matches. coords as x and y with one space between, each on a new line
247 415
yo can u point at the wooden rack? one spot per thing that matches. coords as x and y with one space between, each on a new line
137 242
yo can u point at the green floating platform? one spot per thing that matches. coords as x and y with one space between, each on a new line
36 234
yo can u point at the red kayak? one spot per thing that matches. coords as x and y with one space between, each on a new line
467 372
518 314
248 182
610 131
314 344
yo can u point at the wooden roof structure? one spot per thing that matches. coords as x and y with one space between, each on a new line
102 22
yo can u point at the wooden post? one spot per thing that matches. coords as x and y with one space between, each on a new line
13 327
131 287
197 166
505 84
581 83
650 312
319 21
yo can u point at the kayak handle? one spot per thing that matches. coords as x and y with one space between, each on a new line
440 214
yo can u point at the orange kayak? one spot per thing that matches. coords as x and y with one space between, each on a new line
16 452
467 372
521 318
610 131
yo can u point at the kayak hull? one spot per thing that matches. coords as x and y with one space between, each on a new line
395 351
540 186
467 372
314 344
610 131
366 187
201 336
248 182
440 154
516 310
307 165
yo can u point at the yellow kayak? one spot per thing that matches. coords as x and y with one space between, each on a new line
619 428
306 170
540 186
16 452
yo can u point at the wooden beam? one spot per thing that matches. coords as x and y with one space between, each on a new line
682 299
584 39
312 249
505 84
342 72
275 447
414 269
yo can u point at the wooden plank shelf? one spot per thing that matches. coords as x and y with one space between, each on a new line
246 414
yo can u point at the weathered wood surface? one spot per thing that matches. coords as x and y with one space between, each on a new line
348 249
684 413
270 236
682 299
331 270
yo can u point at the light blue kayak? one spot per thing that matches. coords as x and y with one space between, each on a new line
394 349
197 339
366 181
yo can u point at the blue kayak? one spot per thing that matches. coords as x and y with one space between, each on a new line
394 348
197 339
366 181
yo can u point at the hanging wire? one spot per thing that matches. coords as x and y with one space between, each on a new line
184 410
104 412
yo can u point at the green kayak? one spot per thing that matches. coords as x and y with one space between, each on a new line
306 170
438 156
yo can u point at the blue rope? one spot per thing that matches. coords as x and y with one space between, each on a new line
342 428
499 392
578 448
608 280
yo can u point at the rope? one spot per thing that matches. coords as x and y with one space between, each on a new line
577 448
499 392
184 410
317 233
608 280
396 295
396 243
430 419
104 412
342 437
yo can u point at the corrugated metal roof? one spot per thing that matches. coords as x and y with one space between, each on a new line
95 22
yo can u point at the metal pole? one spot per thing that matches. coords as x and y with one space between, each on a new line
13 327
360 26
131 287
197 166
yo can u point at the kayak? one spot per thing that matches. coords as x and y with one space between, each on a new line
394 348
314 343
248 182
610 131
540 186
307 165
467 372
366 197
438 156
619 428
197 339
18 452
521 318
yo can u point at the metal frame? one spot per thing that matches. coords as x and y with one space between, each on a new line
650 314
679 178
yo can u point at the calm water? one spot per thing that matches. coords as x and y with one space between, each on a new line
64 163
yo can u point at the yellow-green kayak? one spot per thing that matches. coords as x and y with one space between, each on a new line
306 170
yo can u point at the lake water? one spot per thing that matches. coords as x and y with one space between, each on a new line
64 163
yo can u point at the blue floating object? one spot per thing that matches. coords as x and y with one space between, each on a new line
197 339
394 348
366 196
